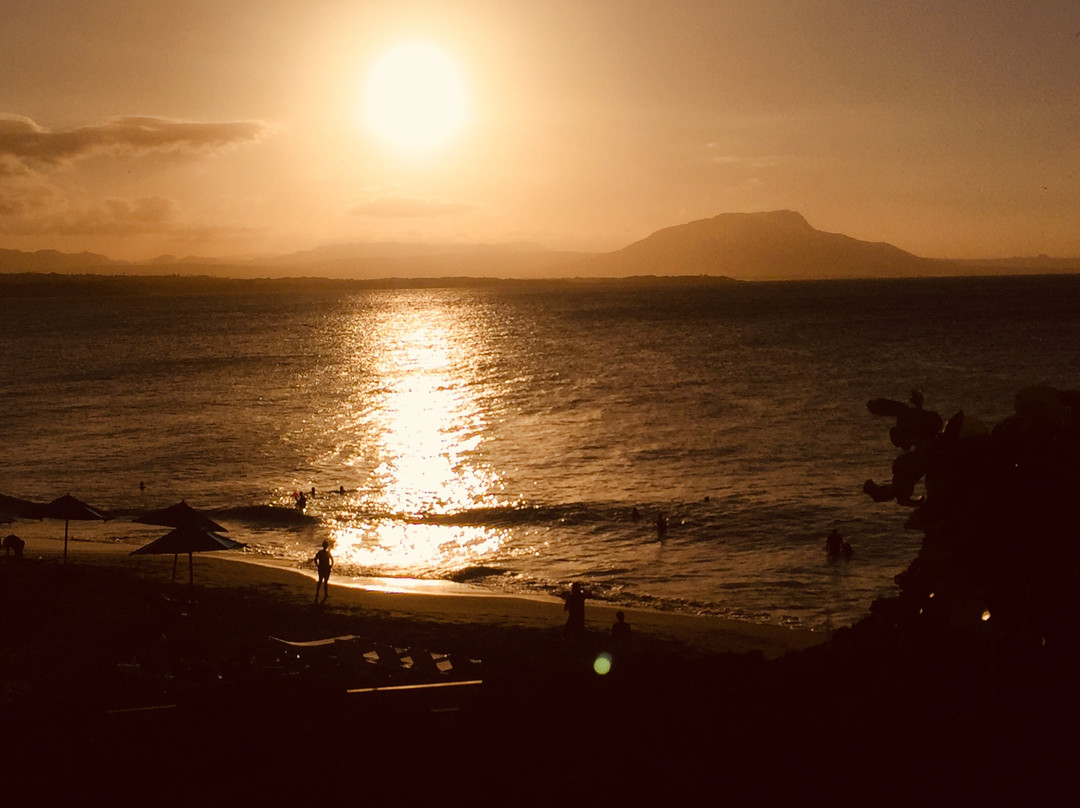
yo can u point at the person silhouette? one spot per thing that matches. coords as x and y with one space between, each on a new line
620 630
575 605
324 562
834 545
661 525
13 544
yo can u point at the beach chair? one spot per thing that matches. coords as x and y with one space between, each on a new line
390 664
423 662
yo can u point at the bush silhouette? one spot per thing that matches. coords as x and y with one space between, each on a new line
1000 517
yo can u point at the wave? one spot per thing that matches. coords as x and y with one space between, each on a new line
561 514
268 516
735 522
474 574
519 515
695 520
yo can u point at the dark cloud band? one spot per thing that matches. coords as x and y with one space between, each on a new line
22 139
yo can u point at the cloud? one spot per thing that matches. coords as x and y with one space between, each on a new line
23 140
33 202
10 167
153 216
111 217
404 207
25 199
23 191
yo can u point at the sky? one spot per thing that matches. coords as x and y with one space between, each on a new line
231 128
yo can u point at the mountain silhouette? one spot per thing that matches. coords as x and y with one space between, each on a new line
54 261
778 245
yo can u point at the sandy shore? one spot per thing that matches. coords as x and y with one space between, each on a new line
430 603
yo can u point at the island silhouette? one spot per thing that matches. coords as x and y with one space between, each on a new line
772 245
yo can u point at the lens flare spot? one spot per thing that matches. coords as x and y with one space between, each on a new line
986 616
602 664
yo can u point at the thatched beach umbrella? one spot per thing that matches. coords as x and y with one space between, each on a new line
187 539
180 515
67 508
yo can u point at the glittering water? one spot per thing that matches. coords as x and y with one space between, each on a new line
502 435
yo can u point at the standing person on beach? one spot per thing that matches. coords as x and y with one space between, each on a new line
620 630
324 562
575 605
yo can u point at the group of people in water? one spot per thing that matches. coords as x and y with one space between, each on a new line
836 546
301 498
661 521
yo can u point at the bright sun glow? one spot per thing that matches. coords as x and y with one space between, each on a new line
415 97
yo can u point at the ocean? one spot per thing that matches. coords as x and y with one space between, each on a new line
501 436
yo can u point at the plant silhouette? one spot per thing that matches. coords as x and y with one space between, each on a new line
1000 518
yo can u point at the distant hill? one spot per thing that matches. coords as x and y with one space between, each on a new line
358 261
53 261
779 245
1029 265
405 260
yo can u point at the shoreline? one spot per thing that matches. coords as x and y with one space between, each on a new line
435 602
819 616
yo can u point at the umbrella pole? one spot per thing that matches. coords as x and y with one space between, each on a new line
175 556
65 539
191 571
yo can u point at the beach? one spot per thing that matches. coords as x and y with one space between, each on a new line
693 706
444 607
74 633
239 603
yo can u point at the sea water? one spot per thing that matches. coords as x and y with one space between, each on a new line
503 435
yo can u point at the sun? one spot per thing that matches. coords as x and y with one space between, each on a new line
414 96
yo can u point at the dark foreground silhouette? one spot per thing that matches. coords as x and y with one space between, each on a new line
869 718
1000 518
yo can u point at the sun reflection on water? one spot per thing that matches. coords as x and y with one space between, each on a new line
422 439
413 548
